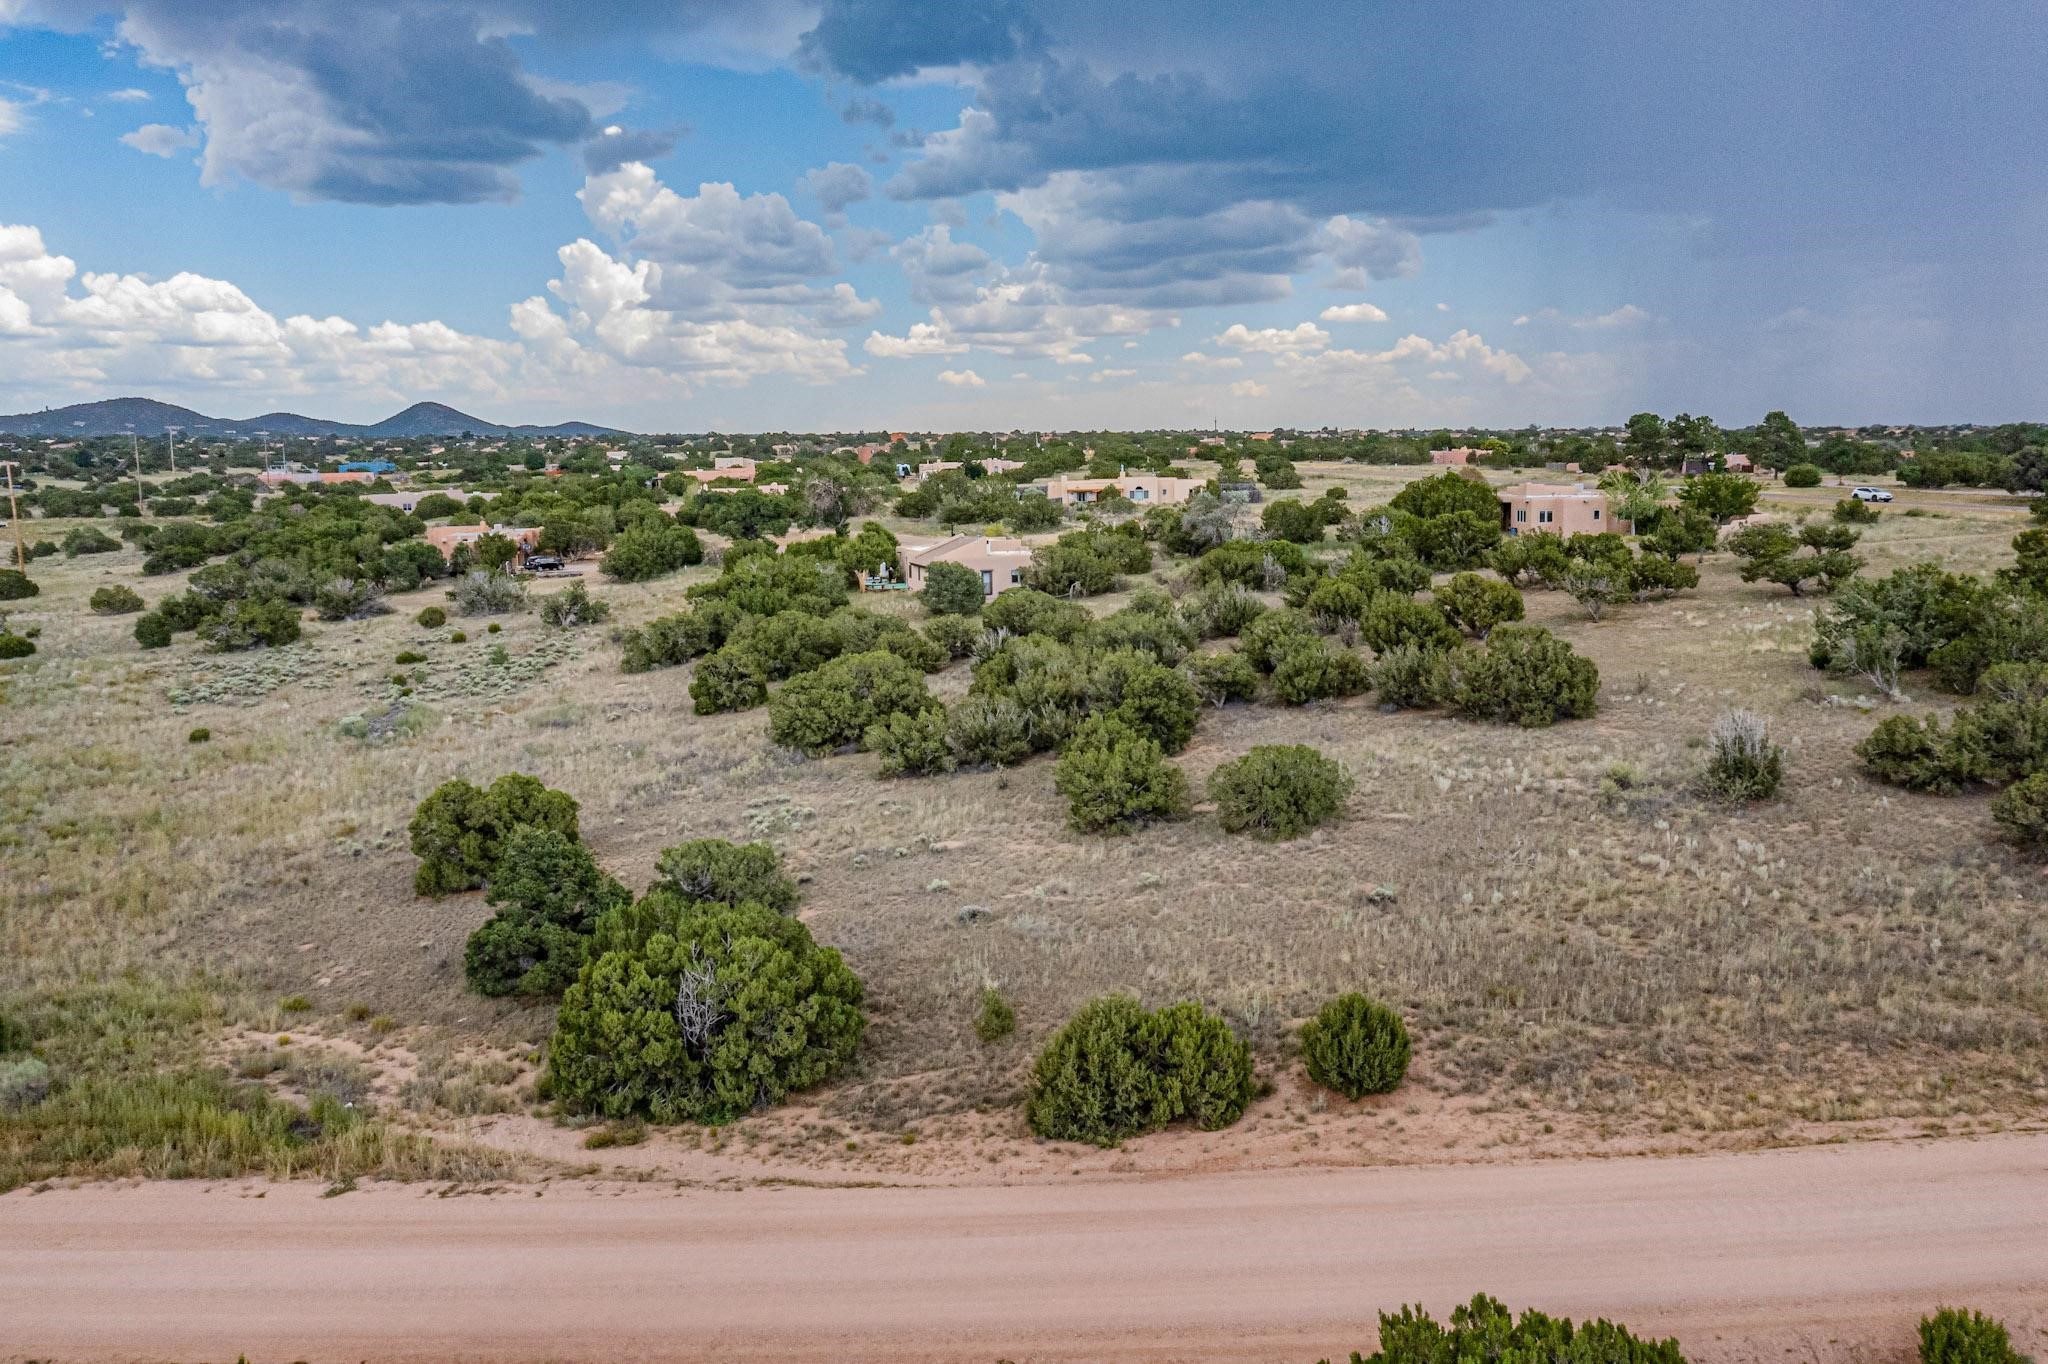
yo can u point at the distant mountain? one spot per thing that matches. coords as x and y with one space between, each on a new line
148 417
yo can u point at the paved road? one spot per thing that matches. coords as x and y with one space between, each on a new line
1826 1253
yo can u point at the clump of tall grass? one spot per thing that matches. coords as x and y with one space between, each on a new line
123 1100
1744 764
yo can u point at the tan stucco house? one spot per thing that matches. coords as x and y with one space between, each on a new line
1556 509
1144 489
999 560
446 538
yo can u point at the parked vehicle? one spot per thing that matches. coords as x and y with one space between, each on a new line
544 563
1862 494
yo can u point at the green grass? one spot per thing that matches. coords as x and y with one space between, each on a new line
128 1101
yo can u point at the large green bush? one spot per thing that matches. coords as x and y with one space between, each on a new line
1475 604
349 599
1522 675
2022 812
955 636
1116 779
1022 611
2000 739
153 630
459 830
1290 519
952 589
912 745
651 550
17 586
251 623
88 540
574 606
1222 678
1279 791
1905 750
1356 1046
1536 559
1958 1336
713 871
727 1010
1116 1071
549 892
1262 565
1223 610
1485 1332
832 707
730 679
15 646
1159 633
1802 476
1317 670
115 601
1151 698
1076 565
1456 540
1410 677
488 593
1393 619
1270 637
989 731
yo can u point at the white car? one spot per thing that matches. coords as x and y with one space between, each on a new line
1870 494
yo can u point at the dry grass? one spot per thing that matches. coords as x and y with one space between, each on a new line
1571 931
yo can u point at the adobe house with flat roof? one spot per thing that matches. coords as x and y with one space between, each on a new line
446 538
1000 560
1556 509
1145 489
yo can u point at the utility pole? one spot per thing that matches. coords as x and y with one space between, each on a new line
171 434
14 515
135 454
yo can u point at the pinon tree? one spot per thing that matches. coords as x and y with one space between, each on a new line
719 1010
459 830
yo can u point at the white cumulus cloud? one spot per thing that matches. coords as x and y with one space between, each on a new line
1353 312
161 139
961 378
1307 336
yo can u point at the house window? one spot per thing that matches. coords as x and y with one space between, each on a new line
1544 517
1016 577
1137 494
1596 513
1522 515
988 586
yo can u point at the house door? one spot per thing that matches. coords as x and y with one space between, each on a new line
988 586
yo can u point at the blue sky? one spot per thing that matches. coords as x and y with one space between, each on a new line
840 214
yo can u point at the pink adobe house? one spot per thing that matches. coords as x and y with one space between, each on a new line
1556 509
1738 463
725 466
446 538
999 560
1462 454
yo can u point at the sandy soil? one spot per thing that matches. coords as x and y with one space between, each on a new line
1816 1254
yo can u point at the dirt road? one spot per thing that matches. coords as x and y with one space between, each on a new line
1815 1254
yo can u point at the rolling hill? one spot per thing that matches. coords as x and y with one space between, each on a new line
148 417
